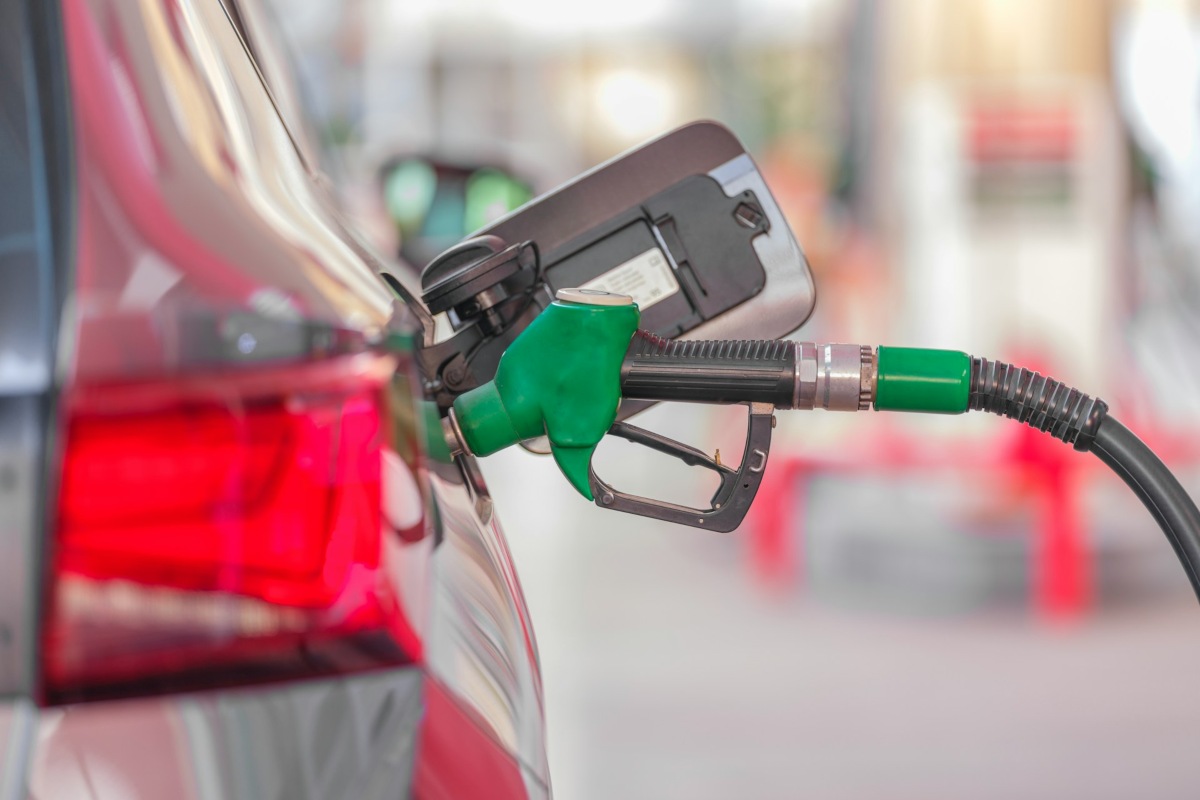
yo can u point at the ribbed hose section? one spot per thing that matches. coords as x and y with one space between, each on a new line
719 371
646 344
1036 400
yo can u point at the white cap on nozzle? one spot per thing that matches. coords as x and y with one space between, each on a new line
593 297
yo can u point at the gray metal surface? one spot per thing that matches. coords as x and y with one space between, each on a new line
618 184
21 434
17 720
25 280
789 293
842 376
733 497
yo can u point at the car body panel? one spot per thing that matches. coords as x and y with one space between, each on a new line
480 642
458 759
193 194
342 737
194 200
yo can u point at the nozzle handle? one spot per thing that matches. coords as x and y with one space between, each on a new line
761 371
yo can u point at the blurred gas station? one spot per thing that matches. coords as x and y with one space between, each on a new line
917 607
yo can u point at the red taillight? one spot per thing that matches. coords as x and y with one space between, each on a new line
222 531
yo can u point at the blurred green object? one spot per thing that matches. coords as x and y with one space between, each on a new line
490 195
435 204
408 192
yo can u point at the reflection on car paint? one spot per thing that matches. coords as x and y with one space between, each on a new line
345 737
193 195
481 642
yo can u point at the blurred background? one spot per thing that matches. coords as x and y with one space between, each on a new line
918 607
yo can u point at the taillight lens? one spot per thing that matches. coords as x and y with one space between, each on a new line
223 530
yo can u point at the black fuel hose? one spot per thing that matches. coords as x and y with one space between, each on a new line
1083 421
1158 489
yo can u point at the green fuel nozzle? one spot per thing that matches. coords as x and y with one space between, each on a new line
565 375
561 378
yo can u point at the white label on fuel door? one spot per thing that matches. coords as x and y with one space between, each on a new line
647 278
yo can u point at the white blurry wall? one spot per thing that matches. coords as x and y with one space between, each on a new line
553 87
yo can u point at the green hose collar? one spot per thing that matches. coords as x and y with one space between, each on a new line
928 381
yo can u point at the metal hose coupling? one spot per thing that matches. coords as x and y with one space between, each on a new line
836 377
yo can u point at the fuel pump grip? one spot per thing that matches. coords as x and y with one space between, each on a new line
565 375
